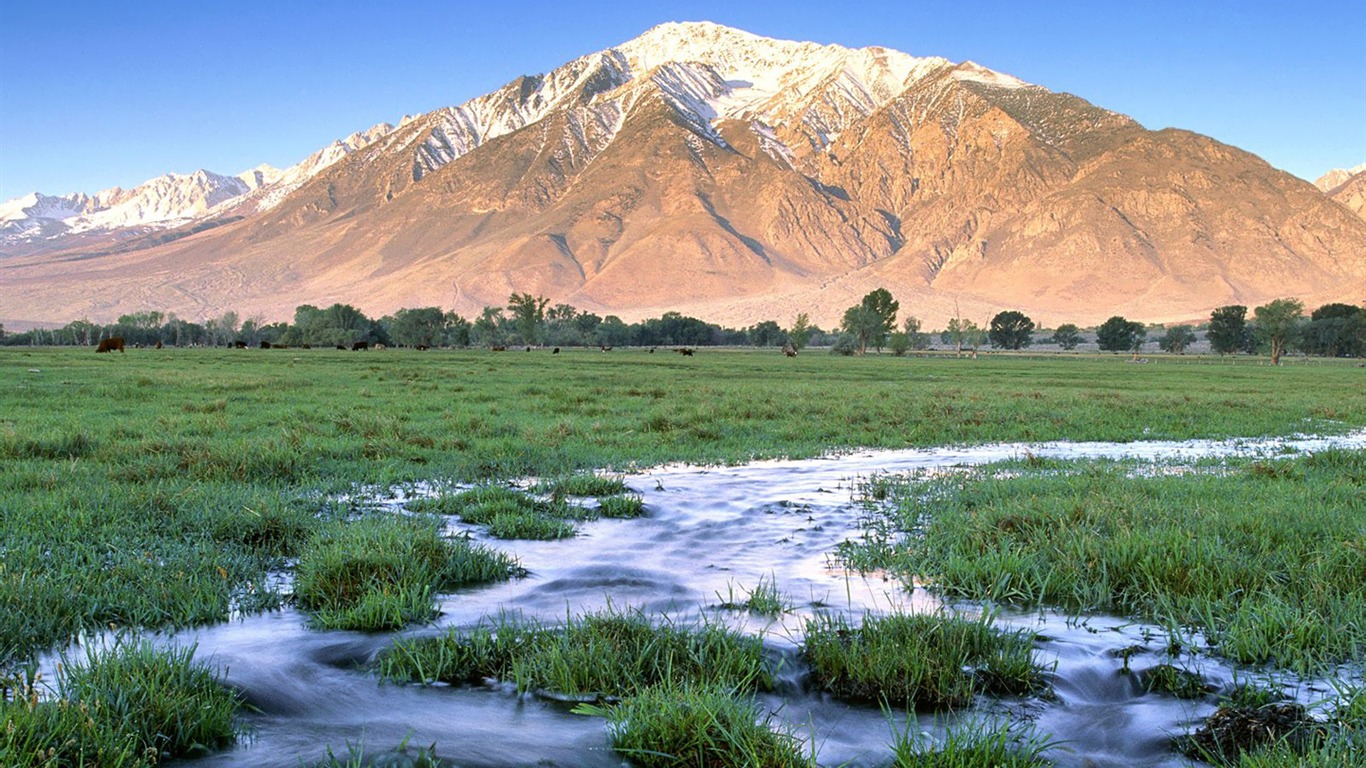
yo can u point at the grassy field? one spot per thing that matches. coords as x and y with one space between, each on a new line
199 471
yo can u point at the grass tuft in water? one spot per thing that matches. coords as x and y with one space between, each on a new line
380 572
607 655
583 485
763 600
132 705
935 661
698 725
972 745
621 506
1175 681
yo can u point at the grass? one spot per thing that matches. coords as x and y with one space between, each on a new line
621 506
1264 557
698 725
381 572
159 490
933 661
508 513
583 484
1175 681
973 745
609 654
133 705
763 600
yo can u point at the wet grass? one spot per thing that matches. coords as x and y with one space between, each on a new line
621 506
133 705
161 488
583 485
608 655
930 661
1264 558
763 600
382 572
699 725
1175 681
972 745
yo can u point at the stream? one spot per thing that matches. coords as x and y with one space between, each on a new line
710 534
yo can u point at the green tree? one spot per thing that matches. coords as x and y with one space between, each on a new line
883 308
1120 335
1176 339
1067 336
418 327
1335 329
528 314
800 333
487 329
457 330
1277 322
1011 330
766 334
1227 332
863 325
917 339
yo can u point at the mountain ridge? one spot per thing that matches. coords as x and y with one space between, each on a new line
703 169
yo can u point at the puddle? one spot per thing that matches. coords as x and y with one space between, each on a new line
710 534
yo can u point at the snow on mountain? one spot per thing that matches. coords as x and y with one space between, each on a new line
797 96
1337 177
708 73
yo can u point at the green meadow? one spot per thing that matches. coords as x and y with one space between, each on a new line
159 488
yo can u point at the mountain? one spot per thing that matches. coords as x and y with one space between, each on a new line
1347 187
1337 177
714 172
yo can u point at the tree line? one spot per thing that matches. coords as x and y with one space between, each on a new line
1276 328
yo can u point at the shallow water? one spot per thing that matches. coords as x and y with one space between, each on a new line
710 533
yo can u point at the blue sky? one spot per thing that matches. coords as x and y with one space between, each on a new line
98 94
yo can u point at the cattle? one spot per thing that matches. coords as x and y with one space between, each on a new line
342 347
605 347
240 344
422 347
158 344
110 344
265 345
555 351
360 345
686 352
789 350
308 346
499 348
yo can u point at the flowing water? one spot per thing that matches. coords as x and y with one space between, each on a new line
710 533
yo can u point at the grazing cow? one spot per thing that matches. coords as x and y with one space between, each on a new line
499 348
308 346
265 344
158 344
604 348
422 347
359 345
555 351
652 350
239 344
789 350
342 347
110 344
684 351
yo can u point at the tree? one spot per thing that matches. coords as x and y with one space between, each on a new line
1067 336
883 307
766 334
1176 339
1277 321
1120 335
487 329
918 340
1011 330
863 325
899 342
528 313
1228 329
418 327
800 333
1335 329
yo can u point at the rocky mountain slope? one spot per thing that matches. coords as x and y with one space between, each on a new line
710 171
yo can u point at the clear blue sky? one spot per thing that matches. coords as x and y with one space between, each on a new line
98 94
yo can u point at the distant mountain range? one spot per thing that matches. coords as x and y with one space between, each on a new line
706 170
